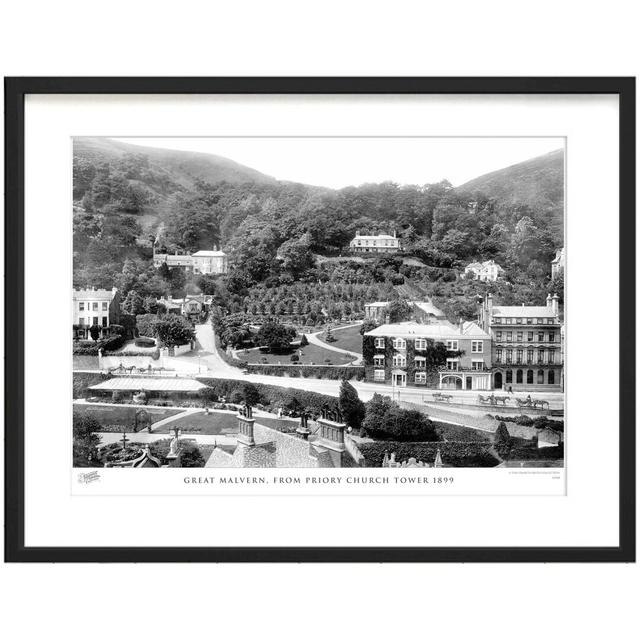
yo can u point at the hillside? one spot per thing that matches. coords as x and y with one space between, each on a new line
181 167
538 183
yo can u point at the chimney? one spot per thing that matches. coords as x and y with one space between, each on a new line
549 300
555 304
331 432
303 430
245 426
461 325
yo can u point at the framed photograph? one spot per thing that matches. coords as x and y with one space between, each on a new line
320 319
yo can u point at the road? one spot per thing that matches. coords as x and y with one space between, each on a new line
314 339
218 368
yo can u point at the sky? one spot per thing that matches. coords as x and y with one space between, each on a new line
341 162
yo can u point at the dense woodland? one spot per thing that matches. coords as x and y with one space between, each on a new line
279 234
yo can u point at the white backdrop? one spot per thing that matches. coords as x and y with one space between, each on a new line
336 38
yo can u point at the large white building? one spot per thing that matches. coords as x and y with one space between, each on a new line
375 244
209 262
488 271
95 307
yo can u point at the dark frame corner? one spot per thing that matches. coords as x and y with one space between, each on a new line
15 91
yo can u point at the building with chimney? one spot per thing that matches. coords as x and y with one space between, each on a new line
557 264
375 244
264 446
488 271
425 312
97 308
398 355
527 352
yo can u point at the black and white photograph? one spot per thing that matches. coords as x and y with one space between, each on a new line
318 302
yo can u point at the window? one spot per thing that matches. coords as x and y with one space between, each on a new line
378 361
497 320
549 320
421 377
529 356
509 336
105 306
94 321
551 377
552 336
540 356
529 336
399 360
81 320
498 335
540 376
399 343
452 345
81 306
529 376
509 376
509 320
540 336
551 357
498 356
104 321
452 364
529 320
477 365
519 356
519 376
95 306
378 375
540 320
509 355
519 336
518 320
421 344
420 362
476 346
379 343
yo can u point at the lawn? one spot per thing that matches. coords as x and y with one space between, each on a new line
218 423
122 416
348 339
311 354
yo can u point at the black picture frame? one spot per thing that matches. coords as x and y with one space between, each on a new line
15 91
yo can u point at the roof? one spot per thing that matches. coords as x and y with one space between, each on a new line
382 236
428 307
433 331
208 254
377 304
523 312
94 294
149 384
484 265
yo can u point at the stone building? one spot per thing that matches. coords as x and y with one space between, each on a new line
97 308
557 264
375 244
488 271
262 446
207 262
425 312
527 353
397 354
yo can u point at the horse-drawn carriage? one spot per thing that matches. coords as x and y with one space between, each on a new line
532 404
493 400
442 397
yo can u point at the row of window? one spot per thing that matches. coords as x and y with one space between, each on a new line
524 320
508 336
420 377
539 377
95 321
92 306
544 356
453 364
477 346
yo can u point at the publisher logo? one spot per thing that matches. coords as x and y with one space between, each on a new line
87 478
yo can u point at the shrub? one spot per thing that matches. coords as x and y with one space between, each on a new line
295 358
144 342
454 454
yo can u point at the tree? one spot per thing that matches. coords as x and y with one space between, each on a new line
399 311
172 330
295 255
250 394
303 341
94 331
133 303
385 420
275 336
368 325
502 440
351 407
85 440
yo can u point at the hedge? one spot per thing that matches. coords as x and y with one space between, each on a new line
113 343
328 372
454 454
272 396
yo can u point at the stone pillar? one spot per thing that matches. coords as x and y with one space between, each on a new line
245 427
331 437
